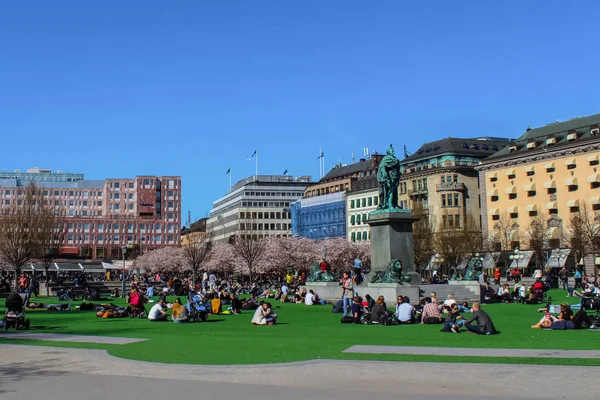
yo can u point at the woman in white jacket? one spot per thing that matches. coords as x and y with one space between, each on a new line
264 315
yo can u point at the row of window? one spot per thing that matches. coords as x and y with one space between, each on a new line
265 204
100 239
360 236
451 200
274 194
550 191
451 221
550 168
265 215
364 202
86 226
265 227
359 219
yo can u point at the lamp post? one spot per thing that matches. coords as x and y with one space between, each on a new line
438 259
516 257
48 253
124 248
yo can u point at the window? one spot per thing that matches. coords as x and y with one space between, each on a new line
530 173
116 185
376 201
572 188
574 209
130 196
115 196
531 193
595 185
444 200
364 202
115 227
456 199
353 236
116 207
551 190
512 196
364 236
511 176
553 211
457 221
494 198
170 193
494 179
130 185
550 169
370 201
514 215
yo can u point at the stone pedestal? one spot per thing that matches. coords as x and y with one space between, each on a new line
392 238
332 291
329 291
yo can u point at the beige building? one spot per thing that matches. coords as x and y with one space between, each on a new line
549 172
441 178
360 202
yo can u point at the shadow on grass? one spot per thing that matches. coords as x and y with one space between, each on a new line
45 328
11 373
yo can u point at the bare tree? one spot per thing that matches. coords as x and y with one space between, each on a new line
536 236
423 233
584 232
248 247
457 243
502 232
28 225
196 251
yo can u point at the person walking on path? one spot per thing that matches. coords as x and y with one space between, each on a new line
347 293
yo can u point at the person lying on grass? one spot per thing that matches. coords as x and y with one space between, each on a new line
484 326
580 321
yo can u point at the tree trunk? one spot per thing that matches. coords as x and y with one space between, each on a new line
46 268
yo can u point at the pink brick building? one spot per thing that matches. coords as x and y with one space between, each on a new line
101 216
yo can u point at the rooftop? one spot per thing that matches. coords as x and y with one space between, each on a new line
343 171
475 147
559 132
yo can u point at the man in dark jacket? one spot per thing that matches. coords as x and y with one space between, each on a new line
484 326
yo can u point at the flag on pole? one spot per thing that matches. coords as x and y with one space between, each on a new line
252 156
285 172
228 171
321 155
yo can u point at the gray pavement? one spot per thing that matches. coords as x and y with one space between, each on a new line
59 337
472 352
30 372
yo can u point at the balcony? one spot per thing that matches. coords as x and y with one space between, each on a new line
453 186
416 192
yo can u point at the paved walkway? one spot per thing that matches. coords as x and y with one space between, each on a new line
470 352
56 337
50 373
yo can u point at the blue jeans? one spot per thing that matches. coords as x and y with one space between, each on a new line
565 284
347 304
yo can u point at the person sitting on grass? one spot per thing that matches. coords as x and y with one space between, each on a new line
484 326
378 310
431 313
357 310
449 302
310 298
405 312
586 291
370 302
157 312
504 293
264 315
454 320
236 304
179 313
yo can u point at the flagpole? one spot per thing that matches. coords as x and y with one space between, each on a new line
256 176
229 180
320 166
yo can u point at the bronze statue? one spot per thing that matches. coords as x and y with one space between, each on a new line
388 177
316 275
392 274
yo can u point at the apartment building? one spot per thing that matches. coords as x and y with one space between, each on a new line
101 216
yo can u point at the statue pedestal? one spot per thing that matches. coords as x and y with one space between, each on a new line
390 291
329 291
392 238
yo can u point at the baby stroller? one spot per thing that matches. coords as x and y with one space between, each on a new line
15 313
198 310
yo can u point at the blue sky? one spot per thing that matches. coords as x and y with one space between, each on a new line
191 88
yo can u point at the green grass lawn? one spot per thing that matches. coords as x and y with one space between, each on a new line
307 333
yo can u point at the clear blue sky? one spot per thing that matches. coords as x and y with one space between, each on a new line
191 88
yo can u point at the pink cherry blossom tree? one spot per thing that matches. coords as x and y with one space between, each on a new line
165 259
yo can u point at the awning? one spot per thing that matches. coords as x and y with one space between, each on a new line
530 187
573 203
68 250
530 168
594 200
549 165
524 262
510 190
493 175
594 178
118 265
495 211
492 193
510 172
558 258
553 205
593 158
550 185
68 267
571 181
570 161
512 210
531 207
553 233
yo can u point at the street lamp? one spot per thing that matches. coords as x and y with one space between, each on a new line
438 259
124 248
516 257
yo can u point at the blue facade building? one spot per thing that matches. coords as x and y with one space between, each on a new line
320 217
